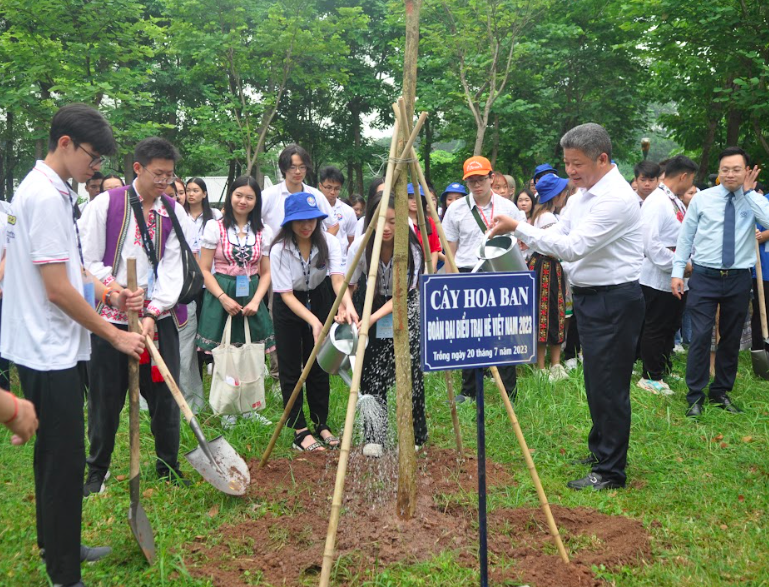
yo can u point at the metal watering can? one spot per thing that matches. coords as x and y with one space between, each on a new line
337 353
500 254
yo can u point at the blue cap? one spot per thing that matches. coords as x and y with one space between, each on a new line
454 188
410 189
301 206
542 169
550 186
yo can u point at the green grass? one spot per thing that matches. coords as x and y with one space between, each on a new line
700 488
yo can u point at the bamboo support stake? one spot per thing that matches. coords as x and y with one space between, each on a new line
332 313
405 122
344 455
530 466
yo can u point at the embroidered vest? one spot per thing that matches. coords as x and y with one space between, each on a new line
118 220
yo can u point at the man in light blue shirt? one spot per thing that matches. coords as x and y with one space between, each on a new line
720 227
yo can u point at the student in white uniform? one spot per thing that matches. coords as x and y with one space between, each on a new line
47 313
378 374
305 263
330 184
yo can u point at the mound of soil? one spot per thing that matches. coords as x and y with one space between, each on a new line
284 544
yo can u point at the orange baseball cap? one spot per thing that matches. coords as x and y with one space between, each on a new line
477 166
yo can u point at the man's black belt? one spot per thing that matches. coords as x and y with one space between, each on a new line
718 272
594 289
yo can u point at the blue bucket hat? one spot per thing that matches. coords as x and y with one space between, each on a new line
542 169
410 190
454 188
301 206
550 186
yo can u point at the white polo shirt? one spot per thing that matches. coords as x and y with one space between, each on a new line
347 220
289 273
273 205
460 226
36 333
661 218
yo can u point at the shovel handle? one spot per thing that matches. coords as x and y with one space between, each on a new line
761 298
133 385
169 379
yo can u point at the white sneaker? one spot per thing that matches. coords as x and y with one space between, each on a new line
656 387
373 450
679 349
228 422
558 373
210 368
570 364
256 417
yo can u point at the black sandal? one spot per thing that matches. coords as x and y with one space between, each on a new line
330 441
299 438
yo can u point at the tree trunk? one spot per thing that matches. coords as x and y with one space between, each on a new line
38 149
231 172
359 177
128 165
350 174
707 144
356 125
407 463
733 122
479 136
495 142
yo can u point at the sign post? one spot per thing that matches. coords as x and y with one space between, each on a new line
474 321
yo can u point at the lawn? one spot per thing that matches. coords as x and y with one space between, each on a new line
701 488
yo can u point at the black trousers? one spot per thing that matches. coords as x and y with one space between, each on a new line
109 384
609 326
573 347
755 320
506 373
378 374
706 293
662 319
294 343
59 462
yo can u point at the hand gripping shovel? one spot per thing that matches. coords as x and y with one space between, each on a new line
760 358
216 461
137 518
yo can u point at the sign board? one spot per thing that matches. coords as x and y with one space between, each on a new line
473 320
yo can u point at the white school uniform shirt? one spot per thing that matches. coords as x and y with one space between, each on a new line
198 227
545 220
384 274
348 223
273 205
3 239
168 285
599 234
460 226
37 333
288 272
360 226
661 217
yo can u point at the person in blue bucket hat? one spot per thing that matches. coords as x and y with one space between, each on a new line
306 263
551 281
453 191
541 171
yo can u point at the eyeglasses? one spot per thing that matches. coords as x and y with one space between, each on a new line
476 179
161 178
298 168
730 171
334 189
96 160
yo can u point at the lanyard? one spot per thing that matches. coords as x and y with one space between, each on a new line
680 213
385 276
241 254
485 221
75 216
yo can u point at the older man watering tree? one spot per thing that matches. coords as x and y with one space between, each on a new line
599 235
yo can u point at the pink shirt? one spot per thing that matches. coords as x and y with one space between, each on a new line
236 255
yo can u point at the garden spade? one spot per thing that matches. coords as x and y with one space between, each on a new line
216 461
760 358
137 518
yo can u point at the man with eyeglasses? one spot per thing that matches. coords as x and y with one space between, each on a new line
720 226
331 182
47 313
466 222
133 222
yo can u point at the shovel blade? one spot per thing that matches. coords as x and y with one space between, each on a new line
142 531
760 360
229 473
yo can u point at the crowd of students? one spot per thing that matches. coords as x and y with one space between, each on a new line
611 265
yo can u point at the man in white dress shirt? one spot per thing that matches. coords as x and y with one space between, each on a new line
599 235
661 218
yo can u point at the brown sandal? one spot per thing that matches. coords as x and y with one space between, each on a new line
299 438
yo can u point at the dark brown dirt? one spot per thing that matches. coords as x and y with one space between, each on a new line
291 499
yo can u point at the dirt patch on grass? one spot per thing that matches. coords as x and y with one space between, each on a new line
291 501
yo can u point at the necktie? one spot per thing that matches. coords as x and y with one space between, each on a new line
727 249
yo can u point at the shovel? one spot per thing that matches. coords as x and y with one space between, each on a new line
216 461
760 358
137 518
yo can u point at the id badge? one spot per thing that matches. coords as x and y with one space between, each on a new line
384 327
241 286
150 285
89 293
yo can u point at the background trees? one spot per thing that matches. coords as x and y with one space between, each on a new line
232 81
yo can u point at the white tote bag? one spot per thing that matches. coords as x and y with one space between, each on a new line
237 385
